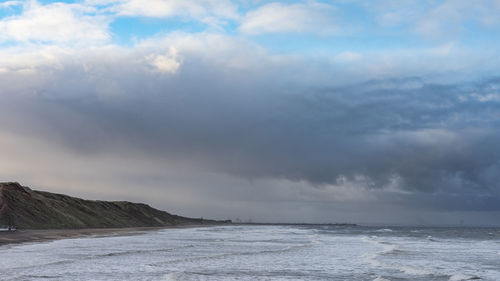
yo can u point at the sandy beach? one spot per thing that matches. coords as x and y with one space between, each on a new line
27 235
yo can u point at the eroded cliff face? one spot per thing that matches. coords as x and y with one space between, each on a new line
30 209
6 190
3 207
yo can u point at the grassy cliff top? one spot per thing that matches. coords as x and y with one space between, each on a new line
31 209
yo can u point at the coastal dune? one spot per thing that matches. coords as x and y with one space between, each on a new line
25 208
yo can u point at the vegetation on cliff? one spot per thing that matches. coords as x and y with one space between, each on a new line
31 209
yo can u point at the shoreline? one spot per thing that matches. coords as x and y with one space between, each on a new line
45 235
21 236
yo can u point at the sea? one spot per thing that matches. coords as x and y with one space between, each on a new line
270 252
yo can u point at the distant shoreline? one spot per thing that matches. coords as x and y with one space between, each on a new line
294 224
44 235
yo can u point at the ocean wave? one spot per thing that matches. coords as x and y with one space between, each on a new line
174 276
267 254
430 238
226 255
463 277
99 256
141 251
391 249
43 265
381 279
388 249
411 270
384 230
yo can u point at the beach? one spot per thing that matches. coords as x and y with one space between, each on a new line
39 235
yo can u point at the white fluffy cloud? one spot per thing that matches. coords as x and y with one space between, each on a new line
165 63
212 12
10 4
436 19
57 22
300 18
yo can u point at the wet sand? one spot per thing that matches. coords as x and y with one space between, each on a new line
26 235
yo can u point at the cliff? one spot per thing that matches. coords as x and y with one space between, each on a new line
31 209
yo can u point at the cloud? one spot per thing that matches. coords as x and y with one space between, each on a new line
57 22
252 132
167 63
437 19
346 57
215 123
8 4
212 12
313 17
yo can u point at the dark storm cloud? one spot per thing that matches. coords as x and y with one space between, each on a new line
422 138
279 124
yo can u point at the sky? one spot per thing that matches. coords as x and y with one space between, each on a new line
371 112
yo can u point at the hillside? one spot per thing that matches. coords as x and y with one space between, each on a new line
31 209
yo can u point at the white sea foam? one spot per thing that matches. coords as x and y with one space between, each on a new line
417 271
384 230
381 279
258 253
462 277
430 238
